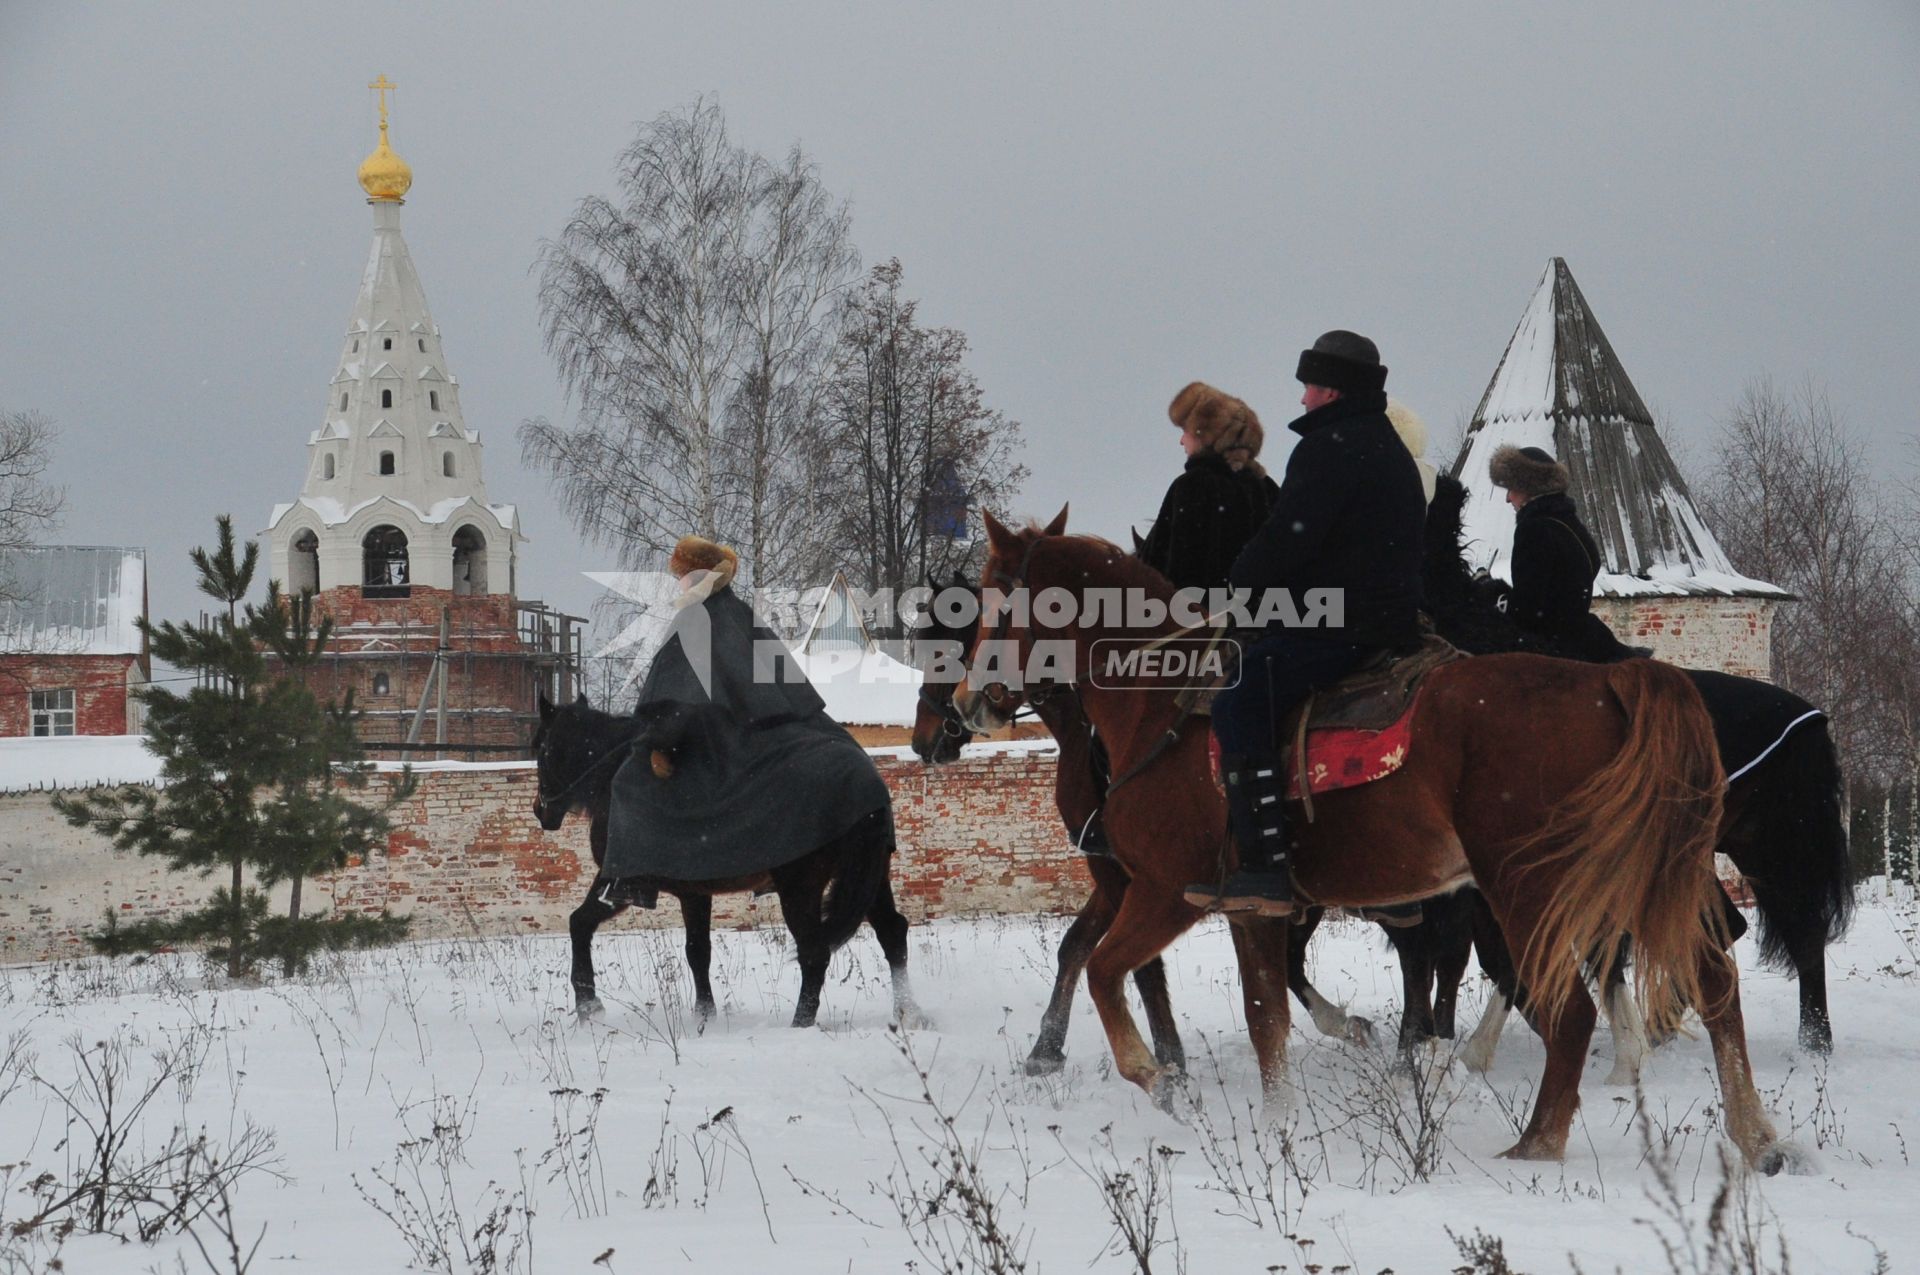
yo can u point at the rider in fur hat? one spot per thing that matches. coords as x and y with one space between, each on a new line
1215 506
1555 561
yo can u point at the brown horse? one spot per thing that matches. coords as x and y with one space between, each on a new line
1584 800
938 737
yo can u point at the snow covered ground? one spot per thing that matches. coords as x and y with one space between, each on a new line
434 1091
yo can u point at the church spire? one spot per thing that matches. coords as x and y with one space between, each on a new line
393 450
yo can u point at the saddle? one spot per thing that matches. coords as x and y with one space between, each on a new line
1360 728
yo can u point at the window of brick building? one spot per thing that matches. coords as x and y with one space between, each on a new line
433 399
386 398
386 462
386 343
53 712
382 685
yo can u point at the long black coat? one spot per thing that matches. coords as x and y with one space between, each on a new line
764 781
1350 515
1209 514
1555 562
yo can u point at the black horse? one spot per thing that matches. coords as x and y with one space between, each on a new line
824 895
1784 826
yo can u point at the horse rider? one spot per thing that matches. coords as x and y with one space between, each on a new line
1350 516
765 780
1219 500
1555 562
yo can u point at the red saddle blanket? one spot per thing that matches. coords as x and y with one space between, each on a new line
1341 756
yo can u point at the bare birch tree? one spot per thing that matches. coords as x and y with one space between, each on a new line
29 506
686 317
914 445
1794 502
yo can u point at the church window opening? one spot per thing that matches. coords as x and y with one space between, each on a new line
53 712
386 398
386 462
422 343
326 465
343 400
386 343
303 562
446 464
433 400
356 345
383 560
469 561
382 684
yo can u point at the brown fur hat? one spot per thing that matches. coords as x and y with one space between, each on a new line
1527 470
697 553
1219 420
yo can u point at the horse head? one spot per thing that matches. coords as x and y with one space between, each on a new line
570 747
988 705
946 635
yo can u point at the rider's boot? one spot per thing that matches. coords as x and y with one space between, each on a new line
1256 815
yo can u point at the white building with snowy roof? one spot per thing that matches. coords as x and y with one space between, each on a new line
1665 582
71 650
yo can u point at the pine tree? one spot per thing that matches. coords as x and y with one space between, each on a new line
257 774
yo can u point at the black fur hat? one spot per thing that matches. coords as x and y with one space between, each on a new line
1527 470
1344 361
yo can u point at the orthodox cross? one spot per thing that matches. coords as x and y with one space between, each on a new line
382 85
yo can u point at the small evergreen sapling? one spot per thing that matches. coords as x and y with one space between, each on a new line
257 776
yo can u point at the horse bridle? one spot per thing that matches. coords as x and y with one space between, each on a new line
617 752
1013 584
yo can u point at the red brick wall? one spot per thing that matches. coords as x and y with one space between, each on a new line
99 683
466 857
1731 635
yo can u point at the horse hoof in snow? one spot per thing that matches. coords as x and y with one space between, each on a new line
1360 1032
1043 1065
914 1019
1173 1095
588 1008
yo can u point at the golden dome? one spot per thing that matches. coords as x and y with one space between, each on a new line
384 175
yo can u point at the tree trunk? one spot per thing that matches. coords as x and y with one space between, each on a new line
237 926
293 905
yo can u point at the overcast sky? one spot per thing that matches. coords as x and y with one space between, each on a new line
1109 199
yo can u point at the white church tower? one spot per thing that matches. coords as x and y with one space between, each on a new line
394 499
395 536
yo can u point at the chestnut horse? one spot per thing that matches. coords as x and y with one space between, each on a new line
1584 801
938 737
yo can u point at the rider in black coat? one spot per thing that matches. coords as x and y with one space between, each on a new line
1215 506
1350 516
1555 561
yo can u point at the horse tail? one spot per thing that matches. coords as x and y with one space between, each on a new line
1633 847
866 857
1796 853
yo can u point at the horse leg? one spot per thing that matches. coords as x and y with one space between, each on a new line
1329 1018
1451 946
1809 953
1150 980
1414 946
800 900
1747 1124
1567 1037
581 924
696 912
1264 951
1143 928
1630 1047
891 929
1497 964
1049 1054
